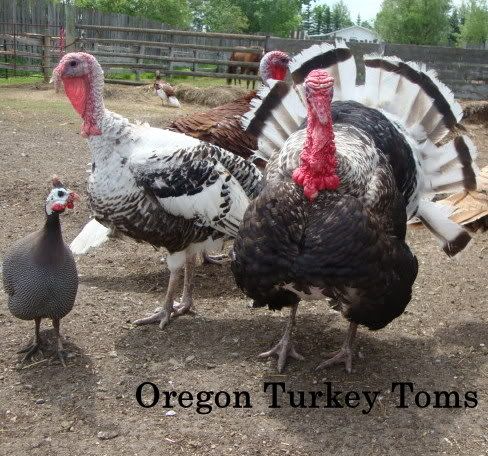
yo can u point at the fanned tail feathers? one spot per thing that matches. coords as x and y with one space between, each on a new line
275 114
92 235
412 93
452 236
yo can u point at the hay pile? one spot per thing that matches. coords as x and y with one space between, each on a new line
208 96
475 111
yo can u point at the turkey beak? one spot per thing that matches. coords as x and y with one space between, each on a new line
321 109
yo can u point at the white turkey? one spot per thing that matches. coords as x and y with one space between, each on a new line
331 219
155 185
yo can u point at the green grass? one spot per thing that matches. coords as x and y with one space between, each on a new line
14 80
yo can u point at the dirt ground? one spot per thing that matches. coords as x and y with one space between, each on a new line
89 408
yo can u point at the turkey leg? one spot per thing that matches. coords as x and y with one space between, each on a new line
187 298
344 355
163 316
285 347
31 349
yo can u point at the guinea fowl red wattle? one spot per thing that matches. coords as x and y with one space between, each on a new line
318 161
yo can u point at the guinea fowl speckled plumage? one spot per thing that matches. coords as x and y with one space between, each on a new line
39 272
222 125
155 185
331 219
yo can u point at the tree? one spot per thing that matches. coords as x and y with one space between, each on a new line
414 21
274 17
319 23
454 25
327 20
223 16
340 16
358 20
307 16
171 12
474 31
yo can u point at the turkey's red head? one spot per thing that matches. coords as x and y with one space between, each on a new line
318 161
274 65
319 90
60 198
82 77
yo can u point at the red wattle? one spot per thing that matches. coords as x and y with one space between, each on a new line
58 207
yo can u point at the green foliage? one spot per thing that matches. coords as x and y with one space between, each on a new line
221 16
320 21
454 24
273 17
341 17
171 12
414 21
474 31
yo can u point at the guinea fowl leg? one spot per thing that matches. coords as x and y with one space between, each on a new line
35 346
163 316
344 355
285 347
59 341
187 298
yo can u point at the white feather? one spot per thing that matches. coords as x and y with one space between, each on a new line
92 235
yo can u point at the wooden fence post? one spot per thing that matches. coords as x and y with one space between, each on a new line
69 26
46 45
142 50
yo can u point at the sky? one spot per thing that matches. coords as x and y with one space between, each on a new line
366 8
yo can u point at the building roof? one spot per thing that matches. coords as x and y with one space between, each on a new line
335 32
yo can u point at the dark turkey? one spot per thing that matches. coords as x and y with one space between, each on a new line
331 219
39 272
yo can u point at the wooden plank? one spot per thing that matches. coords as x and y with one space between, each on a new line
33 55
11 66
175 59
171 32
159 44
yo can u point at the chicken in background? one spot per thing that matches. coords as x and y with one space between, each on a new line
166 92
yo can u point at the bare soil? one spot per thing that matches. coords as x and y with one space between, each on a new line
440 343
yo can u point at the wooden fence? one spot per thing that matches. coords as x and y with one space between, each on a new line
30 41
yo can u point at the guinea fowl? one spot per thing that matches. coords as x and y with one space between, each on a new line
39 272
331 219
222 125
166 92
155 185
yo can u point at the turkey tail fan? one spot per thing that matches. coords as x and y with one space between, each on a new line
413 94
336 60
276 113
452 236
450 167
92 235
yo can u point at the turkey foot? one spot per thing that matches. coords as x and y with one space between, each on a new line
344 355
161 317
59 339
215 259
182 308
284 349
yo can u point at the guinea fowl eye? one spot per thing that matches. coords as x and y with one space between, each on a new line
73 63
60 193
